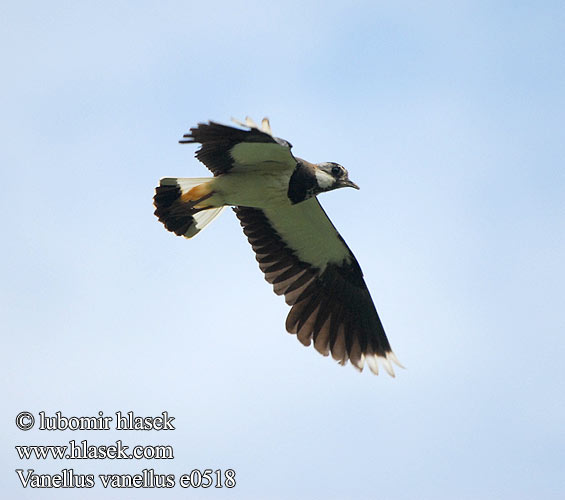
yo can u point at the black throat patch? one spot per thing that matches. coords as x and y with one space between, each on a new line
302 183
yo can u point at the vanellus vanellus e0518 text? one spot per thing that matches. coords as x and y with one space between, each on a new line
298 248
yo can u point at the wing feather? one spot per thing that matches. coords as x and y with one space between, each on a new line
330 302
224 147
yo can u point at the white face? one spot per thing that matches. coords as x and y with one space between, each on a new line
324 179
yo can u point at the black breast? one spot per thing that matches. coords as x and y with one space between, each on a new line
302 183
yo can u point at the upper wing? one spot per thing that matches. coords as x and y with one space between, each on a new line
224 147
305 258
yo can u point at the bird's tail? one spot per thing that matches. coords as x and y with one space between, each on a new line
181 205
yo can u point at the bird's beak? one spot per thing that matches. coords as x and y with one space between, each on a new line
348 183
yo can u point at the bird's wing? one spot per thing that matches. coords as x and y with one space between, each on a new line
304 257
224 147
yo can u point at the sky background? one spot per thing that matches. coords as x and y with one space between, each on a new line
449 115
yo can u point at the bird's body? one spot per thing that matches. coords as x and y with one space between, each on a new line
252 187
296 245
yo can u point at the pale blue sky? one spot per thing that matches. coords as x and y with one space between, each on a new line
449 115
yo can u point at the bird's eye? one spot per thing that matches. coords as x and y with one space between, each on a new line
336 171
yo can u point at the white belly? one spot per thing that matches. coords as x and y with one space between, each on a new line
261 188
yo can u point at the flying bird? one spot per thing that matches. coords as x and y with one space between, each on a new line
274 195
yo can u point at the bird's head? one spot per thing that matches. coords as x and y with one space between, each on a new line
331 176
309 179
